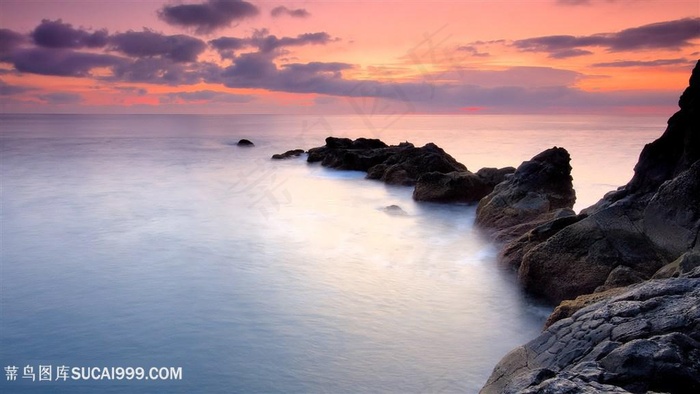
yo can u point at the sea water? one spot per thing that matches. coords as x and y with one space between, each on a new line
154 241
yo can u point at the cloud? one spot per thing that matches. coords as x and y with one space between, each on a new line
269 43
61 62
642 63
9 41
209 16
282 10
205 96
670 35
61 98
179 48
56 34
11 90
266 43
472 50
161 71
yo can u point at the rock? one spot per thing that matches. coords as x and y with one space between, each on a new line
535 233
456 186
245 143
394 210
459 186
569 307
399 164
410 163
494 176
684 264
288 154
665 158
540 185
580 257
630 234
672 218
645 339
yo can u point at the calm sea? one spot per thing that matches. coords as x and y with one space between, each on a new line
154 241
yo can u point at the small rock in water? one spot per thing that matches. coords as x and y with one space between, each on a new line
288 154
245 142
394 210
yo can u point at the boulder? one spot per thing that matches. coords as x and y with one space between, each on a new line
456 186
539 186
580 257
288 154
459 186
645 339
245 143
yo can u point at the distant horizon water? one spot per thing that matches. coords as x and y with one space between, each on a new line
155 241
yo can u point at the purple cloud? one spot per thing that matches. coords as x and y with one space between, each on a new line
209 16
282 10
9 41
162 71
672 35
11 90
206 95
61 98
179 48
56 34
61 62
648 63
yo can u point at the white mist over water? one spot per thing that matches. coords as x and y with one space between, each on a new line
155 241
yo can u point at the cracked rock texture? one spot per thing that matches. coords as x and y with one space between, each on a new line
646 339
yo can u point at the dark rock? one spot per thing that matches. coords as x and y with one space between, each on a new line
410 163
288 154
540 185
455 186
682 265
672 218
665 158
245 143
579 258
399 164
494 176
645 339
459 186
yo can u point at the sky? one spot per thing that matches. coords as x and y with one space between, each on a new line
324 57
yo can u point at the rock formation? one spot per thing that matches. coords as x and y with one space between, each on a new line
645 339
628 235
538 187
459 186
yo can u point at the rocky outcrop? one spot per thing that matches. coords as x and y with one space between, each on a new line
288 154
538 187
645 339
245 143
459 186
633 232
399 164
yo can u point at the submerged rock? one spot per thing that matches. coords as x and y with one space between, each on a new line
645 339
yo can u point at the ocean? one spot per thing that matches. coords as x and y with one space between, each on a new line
153 241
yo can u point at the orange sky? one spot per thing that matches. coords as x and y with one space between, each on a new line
546 56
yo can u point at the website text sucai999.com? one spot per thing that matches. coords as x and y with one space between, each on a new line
65 373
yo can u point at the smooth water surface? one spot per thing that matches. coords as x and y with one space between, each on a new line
154 240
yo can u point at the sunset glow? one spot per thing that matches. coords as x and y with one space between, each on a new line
588 56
